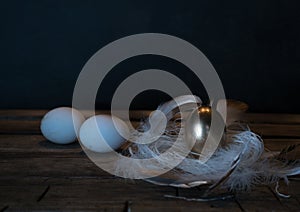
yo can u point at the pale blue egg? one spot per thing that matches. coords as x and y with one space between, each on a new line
61 125
102 133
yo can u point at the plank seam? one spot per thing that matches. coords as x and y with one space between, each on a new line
43 194
239 204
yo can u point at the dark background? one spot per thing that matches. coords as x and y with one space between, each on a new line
253 45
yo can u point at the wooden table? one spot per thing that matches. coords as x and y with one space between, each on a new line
38 175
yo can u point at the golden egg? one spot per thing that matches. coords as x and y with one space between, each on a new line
197 127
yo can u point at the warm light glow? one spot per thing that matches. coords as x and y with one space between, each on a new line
204 109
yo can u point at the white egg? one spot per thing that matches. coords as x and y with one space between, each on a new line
102 133
61 125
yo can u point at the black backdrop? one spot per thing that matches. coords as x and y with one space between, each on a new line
254 46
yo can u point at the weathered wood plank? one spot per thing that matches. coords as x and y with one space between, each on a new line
6 114
260 199
183 206
18 195
25 126
267 118
96 194
280 142
265 130
49 167
144 205
20 126
276 130
101 194
268 125
69 206
36 146
38 114
271 118
29 164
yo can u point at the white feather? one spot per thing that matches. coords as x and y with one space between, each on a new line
244 149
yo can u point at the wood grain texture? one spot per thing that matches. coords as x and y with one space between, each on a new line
36 174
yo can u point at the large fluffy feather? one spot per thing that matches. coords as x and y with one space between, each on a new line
238 165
